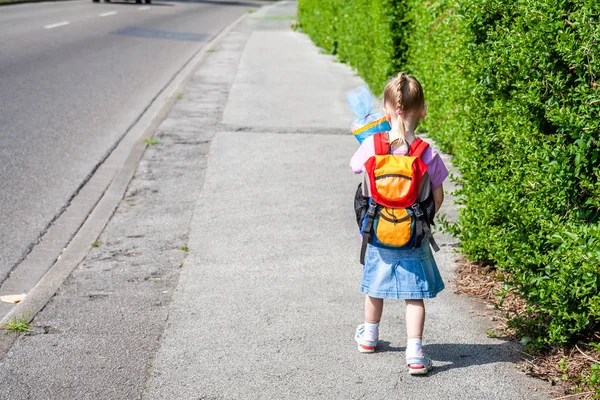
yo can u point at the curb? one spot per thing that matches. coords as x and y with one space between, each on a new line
128 152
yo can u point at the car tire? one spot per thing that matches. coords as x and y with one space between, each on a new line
96 1
148 1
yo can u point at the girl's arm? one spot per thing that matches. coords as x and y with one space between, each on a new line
438 197
364 152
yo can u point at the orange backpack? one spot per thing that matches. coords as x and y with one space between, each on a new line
401 208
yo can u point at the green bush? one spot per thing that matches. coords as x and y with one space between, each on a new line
319 19
512 92
437 55
529 157
366 34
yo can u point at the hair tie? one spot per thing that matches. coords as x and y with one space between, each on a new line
398 112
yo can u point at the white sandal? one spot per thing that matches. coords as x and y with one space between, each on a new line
364 346
419 365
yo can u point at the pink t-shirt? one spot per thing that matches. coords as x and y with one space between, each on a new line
435 166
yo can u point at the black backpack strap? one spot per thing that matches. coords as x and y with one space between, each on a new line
420 219
422 228
428 233
368 231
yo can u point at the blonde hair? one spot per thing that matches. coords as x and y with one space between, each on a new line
403 94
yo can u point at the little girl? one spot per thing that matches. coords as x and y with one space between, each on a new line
410 274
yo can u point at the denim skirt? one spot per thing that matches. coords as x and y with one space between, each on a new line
401 274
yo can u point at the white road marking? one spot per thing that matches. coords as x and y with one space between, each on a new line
57 25
143 8
106 14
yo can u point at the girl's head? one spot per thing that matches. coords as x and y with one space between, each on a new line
404 105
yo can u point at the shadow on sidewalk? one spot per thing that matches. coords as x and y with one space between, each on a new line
459 355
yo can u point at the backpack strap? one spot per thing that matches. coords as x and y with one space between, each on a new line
428 233
423 230
422 227
382 147
381 144
418 147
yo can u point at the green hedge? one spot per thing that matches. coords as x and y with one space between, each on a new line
512 93
529 157
365 34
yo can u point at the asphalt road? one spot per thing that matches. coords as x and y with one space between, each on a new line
74 76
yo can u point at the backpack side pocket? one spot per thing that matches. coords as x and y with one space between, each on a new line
361 204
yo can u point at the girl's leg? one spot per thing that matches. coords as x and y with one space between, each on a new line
368 333
373 309
415 321
415 318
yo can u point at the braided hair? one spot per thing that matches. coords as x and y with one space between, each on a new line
404 94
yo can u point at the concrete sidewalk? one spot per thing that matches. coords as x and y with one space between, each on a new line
268 297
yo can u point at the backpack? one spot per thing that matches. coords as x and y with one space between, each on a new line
400 210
